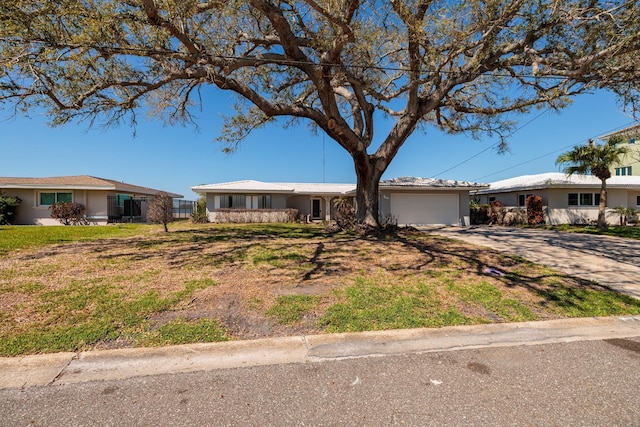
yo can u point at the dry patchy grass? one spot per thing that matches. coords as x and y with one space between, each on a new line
273 280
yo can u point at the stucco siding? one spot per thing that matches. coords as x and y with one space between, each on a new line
278 201
617 198
96 204
301 203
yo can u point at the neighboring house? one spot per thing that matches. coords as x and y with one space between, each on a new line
630 163
104 200
415 201
566 199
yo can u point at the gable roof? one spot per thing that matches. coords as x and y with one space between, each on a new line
250 186
558 180
78 182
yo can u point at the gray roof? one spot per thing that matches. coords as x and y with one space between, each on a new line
415 182
78 182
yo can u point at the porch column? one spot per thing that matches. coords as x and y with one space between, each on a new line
327 208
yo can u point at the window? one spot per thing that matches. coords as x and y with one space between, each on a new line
233 201
522 199
584 199
264 201
49 198
623 171
637 200
120 198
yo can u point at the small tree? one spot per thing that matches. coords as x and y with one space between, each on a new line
161 211
8 206
68 213
624 213
595 160
199 215
535 215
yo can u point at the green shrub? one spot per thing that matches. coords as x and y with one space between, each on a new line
8 206
199 215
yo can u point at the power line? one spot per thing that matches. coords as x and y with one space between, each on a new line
548 154
492 145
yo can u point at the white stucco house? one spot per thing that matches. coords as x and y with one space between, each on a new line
566 199
407 201
105 200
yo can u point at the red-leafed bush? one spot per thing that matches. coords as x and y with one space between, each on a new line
534 210
68 213
496 212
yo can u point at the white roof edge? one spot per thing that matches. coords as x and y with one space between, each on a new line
310 188
557 180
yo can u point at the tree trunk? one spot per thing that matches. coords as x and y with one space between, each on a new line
368 181
602 206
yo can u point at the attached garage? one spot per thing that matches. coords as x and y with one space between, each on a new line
425 201
421 209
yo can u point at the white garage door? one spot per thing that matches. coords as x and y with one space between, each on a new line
423 209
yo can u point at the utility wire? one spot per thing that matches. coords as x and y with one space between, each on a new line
492 145
550 153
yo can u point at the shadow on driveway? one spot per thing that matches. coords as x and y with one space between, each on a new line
612 261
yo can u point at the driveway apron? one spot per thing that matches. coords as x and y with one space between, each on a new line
610 261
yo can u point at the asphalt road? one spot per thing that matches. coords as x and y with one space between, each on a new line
585 383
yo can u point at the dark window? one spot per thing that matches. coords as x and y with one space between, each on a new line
522 199
233 201
573 199
586 199
596 199
264 202
47 199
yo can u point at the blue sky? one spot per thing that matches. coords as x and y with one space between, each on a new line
176 158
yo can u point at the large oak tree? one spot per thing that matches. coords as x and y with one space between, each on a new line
340 65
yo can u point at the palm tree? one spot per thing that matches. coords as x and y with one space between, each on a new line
595 160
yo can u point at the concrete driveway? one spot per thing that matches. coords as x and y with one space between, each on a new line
610 261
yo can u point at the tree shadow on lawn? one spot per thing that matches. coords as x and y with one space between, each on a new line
572 295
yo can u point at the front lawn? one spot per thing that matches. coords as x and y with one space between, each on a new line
78 288
629 232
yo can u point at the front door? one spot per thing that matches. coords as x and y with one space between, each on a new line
315 209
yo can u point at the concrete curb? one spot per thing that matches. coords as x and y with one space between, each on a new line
71 368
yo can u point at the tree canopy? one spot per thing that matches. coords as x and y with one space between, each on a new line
337 65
